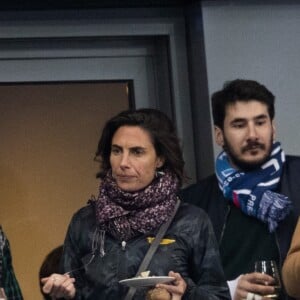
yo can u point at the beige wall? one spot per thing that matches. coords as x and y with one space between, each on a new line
49 134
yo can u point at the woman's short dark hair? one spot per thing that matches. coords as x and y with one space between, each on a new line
160 129
240 90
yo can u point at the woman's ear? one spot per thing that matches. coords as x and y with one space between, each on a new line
160 162
219 137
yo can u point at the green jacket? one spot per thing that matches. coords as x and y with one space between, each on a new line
7 276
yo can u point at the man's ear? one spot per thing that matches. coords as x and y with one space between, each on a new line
219 137
274 130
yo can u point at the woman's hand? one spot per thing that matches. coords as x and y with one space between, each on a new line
59 286
158 294
177 288
255 283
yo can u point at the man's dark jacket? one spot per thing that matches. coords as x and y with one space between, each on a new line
207 195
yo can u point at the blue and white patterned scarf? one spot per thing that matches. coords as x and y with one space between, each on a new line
253 192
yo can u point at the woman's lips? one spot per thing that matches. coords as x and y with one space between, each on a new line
125 177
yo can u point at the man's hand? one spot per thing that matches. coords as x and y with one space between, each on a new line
255 283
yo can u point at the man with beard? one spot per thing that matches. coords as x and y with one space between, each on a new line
253 197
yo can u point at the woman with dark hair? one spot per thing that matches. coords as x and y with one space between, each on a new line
141 173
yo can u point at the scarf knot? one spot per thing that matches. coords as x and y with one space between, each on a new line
253 192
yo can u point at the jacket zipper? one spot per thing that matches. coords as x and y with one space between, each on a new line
279 252
123 244
224 225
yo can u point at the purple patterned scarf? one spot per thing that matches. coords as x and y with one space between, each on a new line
127 214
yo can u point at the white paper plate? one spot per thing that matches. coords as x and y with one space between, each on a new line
146 281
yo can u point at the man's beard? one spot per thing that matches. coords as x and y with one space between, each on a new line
245 165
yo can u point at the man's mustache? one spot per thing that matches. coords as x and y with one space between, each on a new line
252 146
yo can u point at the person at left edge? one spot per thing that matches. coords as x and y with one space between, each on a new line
8 280
141 173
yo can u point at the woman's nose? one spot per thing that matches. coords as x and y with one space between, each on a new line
124 160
